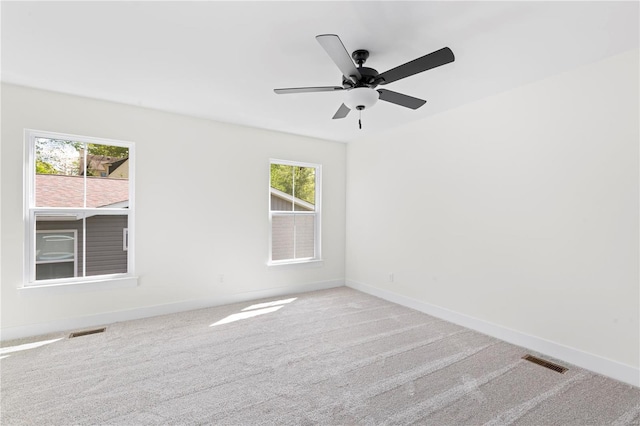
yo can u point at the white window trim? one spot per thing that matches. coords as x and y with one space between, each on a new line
30 210
317 213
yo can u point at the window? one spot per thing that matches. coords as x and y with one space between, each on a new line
78 209
294 212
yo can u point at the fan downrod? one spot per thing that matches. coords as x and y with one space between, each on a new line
360 56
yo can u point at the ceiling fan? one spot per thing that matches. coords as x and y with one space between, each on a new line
361 82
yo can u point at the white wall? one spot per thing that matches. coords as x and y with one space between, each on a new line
520 210
202 210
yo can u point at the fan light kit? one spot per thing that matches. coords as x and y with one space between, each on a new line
361 97
361 82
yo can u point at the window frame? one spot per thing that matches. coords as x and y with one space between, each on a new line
317 213
31 211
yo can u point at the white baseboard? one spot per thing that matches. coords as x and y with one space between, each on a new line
10 333
597 364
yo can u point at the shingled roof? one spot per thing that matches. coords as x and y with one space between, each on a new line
67 191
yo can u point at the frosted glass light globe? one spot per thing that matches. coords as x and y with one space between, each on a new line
363 97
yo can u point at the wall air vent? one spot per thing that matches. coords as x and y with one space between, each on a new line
87 332
545 363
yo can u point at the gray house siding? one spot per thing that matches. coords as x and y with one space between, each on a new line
282 231
281 204
104 245
278 203
292 236
305 231
105 252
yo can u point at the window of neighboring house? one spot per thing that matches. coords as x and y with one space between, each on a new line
294 212
79 217
56 254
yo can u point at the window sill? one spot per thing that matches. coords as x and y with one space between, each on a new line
80 286
316 262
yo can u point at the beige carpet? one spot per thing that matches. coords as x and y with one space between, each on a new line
329 357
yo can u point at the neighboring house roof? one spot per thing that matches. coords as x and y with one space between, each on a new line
67 191
117 163
119 169
298 201
98 163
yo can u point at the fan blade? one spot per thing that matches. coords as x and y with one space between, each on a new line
339 55
307 89
432 60
342 112
400 99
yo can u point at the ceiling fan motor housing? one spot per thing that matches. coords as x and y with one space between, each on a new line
369 76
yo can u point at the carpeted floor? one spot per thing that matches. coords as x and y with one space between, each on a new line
329 357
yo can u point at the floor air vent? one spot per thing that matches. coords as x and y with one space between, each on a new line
545 363
87 332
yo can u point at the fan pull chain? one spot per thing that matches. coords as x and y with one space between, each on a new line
360 119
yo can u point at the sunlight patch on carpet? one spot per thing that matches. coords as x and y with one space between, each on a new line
244 315
26 346
255 310
268 304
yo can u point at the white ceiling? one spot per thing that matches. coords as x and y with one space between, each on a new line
222 60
